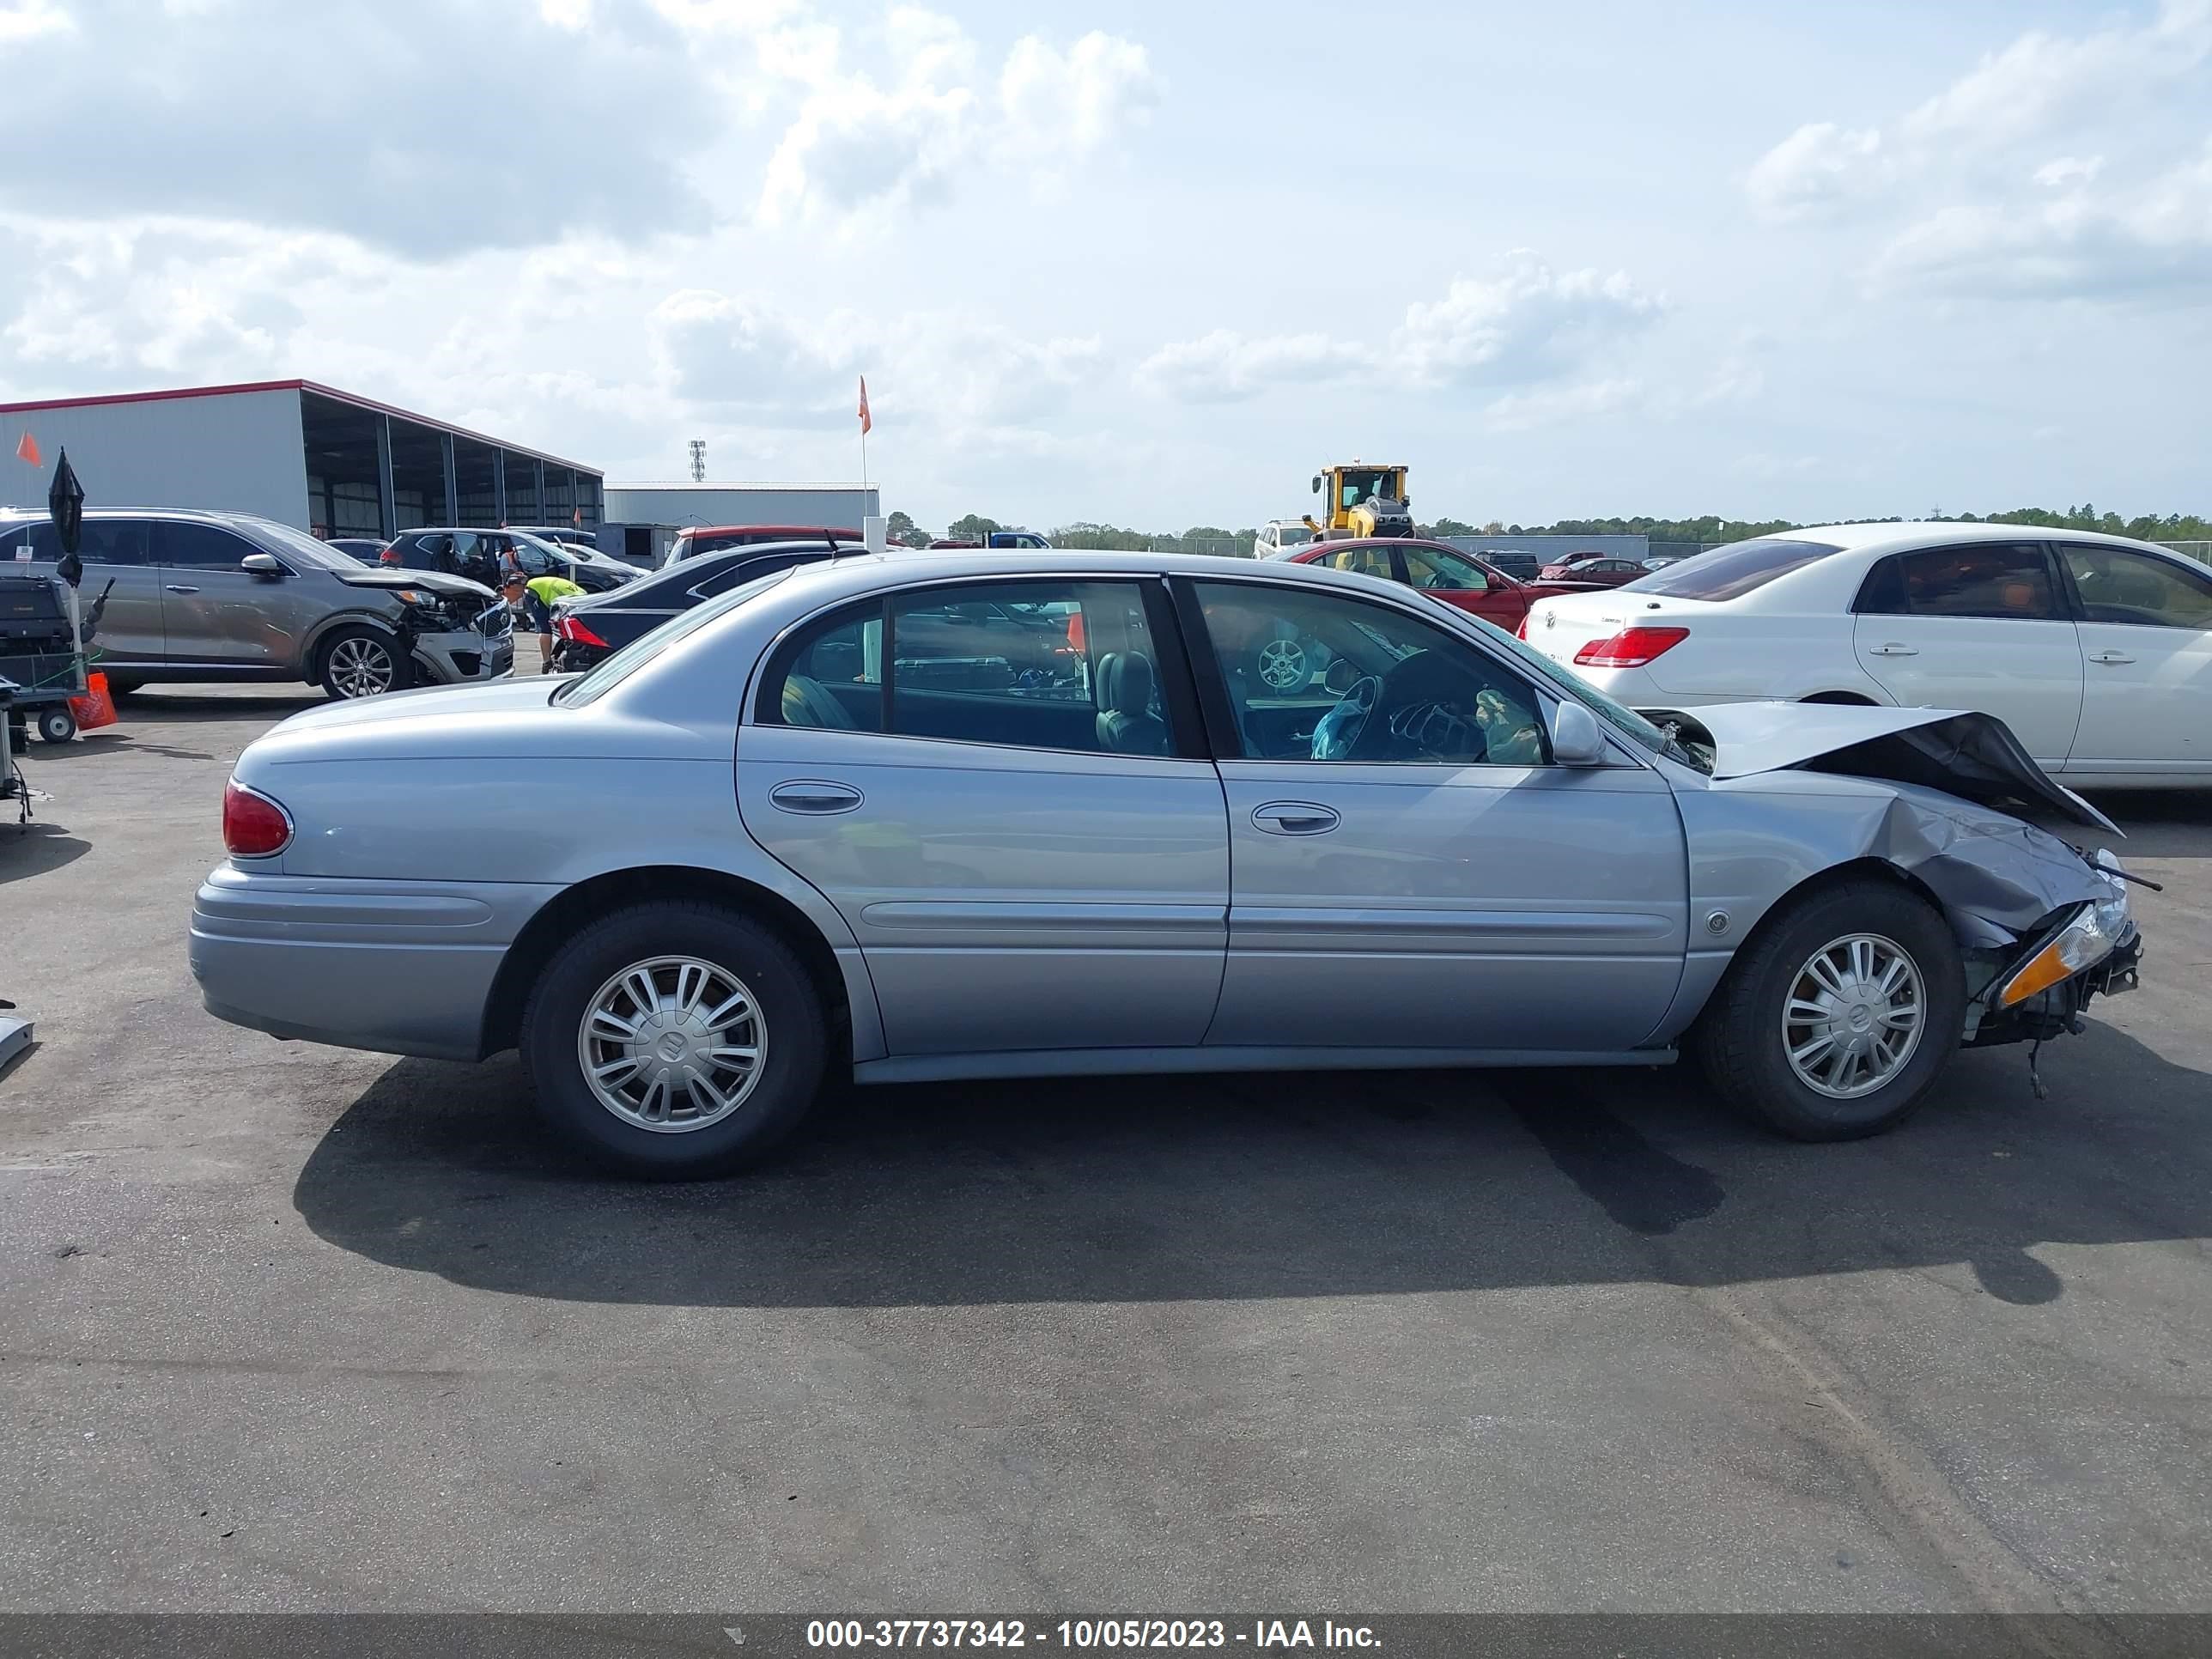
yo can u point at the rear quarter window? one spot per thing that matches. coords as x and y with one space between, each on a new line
1729 573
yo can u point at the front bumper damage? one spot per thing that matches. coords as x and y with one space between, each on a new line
2058 1011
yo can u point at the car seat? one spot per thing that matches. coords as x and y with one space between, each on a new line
1127 725
808 703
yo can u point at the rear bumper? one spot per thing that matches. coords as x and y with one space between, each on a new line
399 967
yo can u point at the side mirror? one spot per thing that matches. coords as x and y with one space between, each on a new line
1576 737
261 564
1316 483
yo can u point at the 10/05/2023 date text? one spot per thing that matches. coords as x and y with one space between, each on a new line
1262 1635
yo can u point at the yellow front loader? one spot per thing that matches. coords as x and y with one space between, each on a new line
1363 499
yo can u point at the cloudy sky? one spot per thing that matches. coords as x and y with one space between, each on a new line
1152 263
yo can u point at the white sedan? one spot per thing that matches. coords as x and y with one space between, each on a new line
2096 650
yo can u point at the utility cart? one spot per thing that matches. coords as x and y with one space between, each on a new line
42 650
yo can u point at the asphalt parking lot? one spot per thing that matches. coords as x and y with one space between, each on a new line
291 1329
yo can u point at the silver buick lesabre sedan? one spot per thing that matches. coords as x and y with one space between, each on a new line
964 815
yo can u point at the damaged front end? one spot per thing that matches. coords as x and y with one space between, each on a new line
1949 800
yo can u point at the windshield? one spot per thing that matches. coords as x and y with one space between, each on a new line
1292 535
1729 573
1357 484
639 651
295 544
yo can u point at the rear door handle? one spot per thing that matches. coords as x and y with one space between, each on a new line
177 587
1295 817
815 795
2111 656
1893 649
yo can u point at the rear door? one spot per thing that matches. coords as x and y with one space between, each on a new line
1024 867
1420 876
2146 633
1983 625
117 563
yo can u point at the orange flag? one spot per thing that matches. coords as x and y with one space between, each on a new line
28 450
867 425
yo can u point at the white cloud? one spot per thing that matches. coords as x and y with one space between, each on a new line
1524 323
2070 170
22 19
1223 367
1817 167
856 142
1518 411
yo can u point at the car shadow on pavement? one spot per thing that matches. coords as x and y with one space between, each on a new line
1274 1186
247 704
34 849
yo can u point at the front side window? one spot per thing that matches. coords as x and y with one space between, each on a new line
1438 572
199 546
2138 589
1376 685
2006 581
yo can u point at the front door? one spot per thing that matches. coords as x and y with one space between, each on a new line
221 615
1408 869
116 563
2146 633
1031 853
1979 626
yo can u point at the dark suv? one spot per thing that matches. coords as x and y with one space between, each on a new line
226 596
483 555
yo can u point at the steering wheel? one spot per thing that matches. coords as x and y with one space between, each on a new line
1338 734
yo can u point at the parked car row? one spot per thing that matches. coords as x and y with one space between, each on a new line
486 556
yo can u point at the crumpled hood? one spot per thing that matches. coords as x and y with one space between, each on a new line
1974 756
435 581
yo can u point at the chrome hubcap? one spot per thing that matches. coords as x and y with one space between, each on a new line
360 668
672 1044
1853 1016
1283 664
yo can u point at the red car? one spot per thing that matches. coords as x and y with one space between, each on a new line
1438 568
1592 570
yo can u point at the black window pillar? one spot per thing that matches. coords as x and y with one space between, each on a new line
387 506
452 478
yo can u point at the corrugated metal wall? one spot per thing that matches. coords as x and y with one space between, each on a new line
234 453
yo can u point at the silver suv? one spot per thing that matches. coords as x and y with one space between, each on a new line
226 596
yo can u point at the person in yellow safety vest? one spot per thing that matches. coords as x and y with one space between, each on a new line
535 598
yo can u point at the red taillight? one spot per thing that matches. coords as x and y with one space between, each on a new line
1632 648
1521 628
576 633
253 826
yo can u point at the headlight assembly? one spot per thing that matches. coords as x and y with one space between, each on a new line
2083 943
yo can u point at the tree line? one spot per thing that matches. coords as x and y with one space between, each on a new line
1710 528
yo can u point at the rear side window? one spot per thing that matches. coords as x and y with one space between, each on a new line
1363 561
104 541
2008 580
1729 573
2136 589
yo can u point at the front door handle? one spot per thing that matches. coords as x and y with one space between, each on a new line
2111 656
177 587
1893 649
1295 817
815 795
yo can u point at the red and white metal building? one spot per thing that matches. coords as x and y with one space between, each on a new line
328 461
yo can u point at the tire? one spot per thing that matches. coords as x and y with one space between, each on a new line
1741 1037
119 690
1281 666
55 724
362 662
784 1025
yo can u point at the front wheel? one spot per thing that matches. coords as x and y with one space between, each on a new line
1836 1021
673 1040
361 662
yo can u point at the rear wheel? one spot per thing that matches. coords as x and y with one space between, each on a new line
362 662
673 1040
56 724
1836 1021
120 689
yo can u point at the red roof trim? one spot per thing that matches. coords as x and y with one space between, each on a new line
319 390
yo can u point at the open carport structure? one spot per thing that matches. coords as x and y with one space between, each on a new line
330 461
